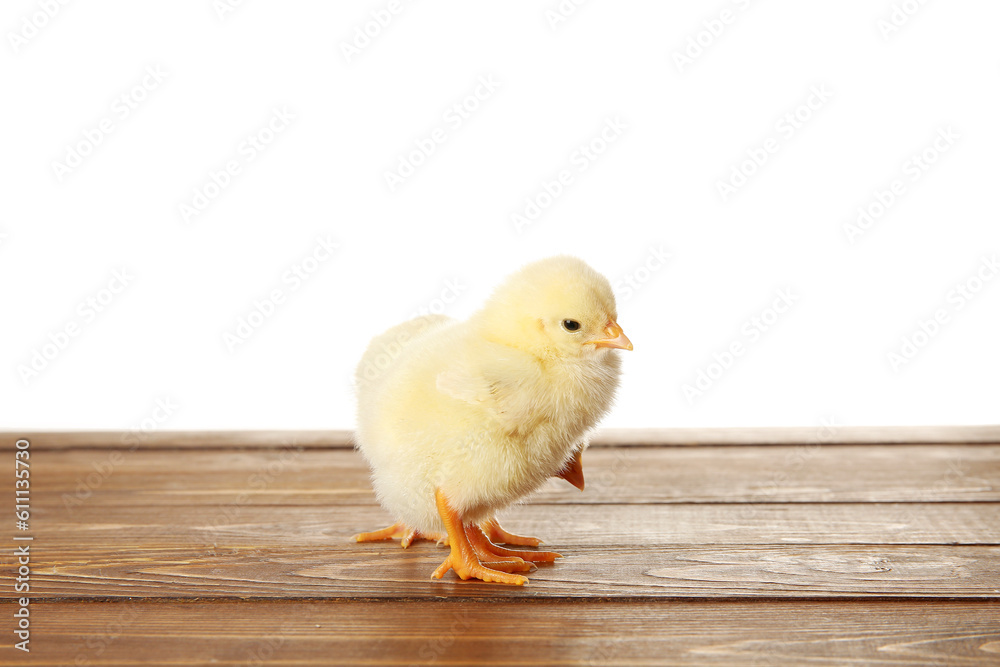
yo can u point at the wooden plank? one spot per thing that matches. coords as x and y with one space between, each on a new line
285 566
800 435
131 440
293 476
522 633
343 439
776 554
561 526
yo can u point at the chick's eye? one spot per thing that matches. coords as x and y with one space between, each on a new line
571 325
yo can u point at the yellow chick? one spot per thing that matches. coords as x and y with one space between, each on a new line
460 420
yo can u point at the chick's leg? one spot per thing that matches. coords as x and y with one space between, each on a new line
463 558
498 535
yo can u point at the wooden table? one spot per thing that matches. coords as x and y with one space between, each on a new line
764 547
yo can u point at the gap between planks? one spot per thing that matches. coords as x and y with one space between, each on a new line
660 437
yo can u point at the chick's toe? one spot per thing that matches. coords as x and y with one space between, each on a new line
498 535
407 535
486 549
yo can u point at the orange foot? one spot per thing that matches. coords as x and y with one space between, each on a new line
400 530
498 535
485 552
464 558
486 548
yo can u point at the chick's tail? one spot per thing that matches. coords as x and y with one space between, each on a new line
572 472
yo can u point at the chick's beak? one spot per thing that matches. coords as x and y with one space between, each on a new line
616 338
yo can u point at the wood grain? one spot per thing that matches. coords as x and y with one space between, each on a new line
524 632
700 547
747 474
561 526
386 570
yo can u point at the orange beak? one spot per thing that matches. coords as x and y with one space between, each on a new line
616 338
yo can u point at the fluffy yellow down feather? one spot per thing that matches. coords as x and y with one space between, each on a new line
463 419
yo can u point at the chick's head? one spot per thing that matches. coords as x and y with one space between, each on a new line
555 307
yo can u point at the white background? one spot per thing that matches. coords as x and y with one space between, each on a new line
685 126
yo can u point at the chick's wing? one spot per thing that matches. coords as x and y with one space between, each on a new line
499 382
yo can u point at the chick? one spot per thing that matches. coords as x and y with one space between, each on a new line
460 420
